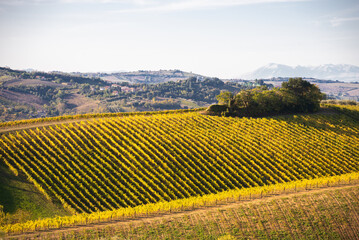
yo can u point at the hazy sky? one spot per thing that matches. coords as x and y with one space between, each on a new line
222 38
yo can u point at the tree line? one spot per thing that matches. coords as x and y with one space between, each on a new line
294 96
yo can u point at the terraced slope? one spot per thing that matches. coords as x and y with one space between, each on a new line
110 163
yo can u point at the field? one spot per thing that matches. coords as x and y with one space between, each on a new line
319 214
326 215
115 164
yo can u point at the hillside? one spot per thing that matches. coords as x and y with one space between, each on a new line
153 158
142 76
325 213
26 95
112 165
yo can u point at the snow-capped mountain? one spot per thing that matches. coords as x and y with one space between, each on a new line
341 72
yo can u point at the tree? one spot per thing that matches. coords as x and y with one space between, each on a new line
296 95
268 102
225 98
245 102
301 96
85 88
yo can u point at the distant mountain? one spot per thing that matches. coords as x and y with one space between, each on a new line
341 72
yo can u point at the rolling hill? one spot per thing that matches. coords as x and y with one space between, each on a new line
111 163
148 77
25 95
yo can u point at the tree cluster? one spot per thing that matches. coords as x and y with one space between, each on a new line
295 96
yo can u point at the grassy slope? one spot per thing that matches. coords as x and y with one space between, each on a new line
323 214
22 201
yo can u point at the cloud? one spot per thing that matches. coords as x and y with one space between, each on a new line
135 2
138 6
154 5
131 2
180 5
21 2
339 21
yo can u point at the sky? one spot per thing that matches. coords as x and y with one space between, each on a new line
217 38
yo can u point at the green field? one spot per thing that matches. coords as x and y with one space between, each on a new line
22 201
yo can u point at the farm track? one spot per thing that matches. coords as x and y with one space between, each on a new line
40 124
7 129
50 123
174 215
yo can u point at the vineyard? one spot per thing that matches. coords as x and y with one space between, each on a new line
88 116
330 214
105 164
